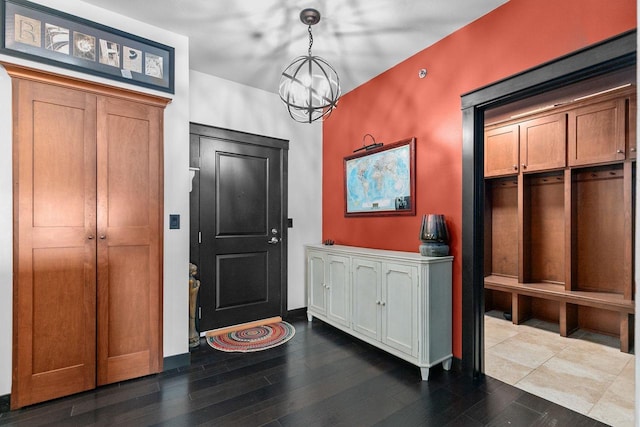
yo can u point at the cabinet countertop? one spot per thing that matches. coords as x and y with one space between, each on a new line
399 255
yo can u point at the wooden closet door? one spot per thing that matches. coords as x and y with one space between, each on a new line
129 239
54 242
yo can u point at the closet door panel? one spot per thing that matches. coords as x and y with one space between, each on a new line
129 312
129 240
54 232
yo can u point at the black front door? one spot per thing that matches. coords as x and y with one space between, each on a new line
241 251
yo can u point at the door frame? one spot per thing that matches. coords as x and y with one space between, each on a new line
253 139
610 55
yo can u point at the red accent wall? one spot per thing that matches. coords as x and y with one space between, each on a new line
395 105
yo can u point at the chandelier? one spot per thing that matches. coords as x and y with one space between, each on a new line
309 86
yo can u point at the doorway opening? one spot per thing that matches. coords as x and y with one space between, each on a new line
606 57
556 182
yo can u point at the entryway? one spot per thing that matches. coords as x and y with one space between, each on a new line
238 225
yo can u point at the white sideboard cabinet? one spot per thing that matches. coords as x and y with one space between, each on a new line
397 301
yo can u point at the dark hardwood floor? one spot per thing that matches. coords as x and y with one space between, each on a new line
321 377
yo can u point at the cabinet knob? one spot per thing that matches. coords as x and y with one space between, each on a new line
620 151
91 237
632 149
378 302
515 167
102 237
383 303
524 166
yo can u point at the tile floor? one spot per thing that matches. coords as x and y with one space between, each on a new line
585 372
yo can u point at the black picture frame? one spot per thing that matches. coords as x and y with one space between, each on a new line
387 162
46 35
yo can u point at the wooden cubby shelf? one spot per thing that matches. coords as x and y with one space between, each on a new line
559 207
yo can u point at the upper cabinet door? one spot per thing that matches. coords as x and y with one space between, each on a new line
501 151
597 133
543 143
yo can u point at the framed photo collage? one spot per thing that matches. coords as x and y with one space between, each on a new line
45 35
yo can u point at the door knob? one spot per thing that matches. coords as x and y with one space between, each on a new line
274 240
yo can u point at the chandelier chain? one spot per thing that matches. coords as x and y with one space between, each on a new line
310 40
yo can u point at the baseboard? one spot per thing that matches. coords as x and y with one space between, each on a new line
5 403
297 313
176 361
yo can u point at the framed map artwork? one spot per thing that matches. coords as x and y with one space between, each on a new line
381 182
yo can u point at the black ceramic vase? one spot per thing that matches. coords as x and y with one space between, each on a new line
434 235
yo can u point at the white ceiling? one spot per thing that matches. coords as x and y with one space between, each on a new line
251 41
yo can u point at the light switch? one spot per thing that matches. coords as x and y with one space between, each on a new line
174 221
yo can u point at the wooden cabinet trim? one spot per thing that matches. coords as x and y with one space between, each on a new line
27 73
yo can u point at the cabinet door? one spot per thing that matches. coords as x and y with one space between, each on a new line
315 282
338 287
55 246
501 151
399 307
543 143
596 133
366 297
129 260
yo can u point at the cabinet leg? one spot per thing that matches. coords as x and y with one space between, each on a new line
446 364
424 372
568 318
626 332
520 308
309 316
